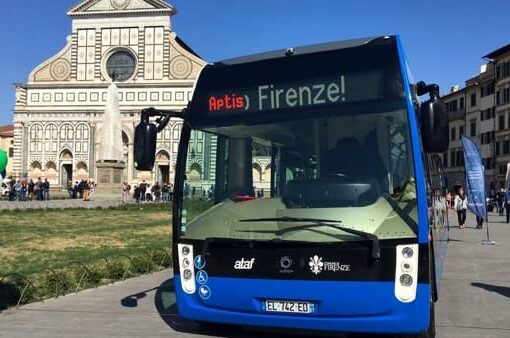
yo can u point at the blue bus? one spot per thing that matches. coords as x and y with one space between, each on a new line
302 191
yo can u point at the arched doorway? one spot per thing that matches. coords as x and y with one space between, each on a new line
195 172
51 172
163 167
82 171
35 170
66 168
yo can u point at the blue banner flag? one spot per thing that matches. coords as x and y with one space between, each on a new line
475 178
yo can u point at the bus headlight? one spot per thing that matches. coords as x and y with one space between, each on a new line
185 250
406 272
407 252
406 280
187 274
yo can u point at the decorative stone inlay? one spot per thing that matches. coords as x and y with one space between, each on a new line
120 4
61 69
180 67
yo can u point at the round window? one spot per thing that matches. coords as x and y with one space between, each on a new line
121 66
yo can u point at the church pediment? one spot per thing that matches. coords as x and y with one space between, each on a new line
109 7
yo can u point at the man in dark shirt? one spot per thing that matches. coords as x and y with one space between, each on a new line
143 190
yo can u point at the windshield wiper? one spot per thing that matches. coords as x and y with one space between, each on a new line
376 249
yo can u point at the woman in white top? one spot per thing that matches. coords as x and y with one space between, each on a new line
461 207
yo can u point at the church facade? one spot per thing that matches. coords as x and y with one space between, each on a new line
57 114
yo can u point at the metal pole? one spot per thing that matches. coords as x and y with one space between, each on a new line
488 241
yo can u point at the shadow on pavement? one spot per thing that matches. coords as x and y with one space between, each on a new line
165 303
502 290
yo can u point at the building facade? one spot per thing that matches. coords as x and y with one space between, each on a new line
501 65
7 144
57 114
481 111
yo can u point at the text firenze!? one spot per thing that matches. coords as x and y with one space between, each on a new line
270 97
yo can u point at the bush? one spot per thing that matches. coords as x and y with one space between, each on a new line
54 283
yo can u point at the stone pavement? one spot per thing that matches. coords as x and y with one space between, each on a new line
475 287
474 300
96 201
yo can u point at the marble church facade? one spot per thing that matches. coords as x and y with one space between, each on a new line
57 114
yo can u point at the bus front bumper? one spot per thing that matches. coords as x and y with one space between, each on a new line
340 307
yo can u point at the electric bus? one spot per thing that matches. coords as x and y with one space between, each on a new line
302 191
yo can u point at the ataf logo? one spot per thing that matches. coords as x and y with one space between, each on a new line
244 264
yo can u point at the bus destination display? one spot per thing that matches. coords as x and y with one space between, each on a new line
311 93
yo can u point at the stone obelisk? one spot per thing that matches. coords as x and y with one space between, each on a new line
110 164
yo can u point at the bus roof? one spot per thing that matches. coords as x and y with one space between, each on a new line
316 77
300 50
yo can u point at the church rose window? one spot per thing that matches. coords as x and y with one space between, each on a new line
121 66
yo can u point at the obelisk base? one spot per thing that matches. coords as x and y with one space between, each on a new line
109 176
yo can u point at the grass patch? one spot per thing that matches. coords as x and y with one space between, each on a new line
34 240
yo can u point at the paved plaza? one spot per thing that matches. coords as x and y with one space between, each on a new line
475 300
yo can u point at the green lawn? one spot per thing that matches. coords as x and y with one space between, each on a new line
31 241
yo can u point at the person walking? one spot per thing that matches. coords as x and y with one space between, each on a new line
126 188
461 207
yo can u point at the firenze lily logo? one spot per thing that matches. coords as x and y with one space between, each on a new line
316 264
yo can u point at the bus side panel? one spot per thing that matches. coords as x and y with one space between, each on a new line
366 306
421 193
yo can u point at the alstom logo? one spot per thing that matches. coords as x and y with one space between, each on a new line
244 264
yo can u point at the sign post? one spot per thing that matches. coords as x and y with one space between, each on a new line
475 183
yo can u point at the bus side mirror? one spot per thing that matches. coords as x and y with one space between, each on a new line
433 121
146 134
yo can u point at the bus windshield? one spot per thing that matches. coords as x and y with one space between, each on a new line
278 180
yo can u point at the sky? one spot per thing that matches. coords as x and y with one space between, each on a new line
444 40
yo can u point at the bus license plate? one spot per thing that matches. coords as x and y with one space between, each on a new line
288 306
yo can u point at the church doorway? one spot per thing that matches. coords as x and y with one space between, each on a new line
67 175
164 174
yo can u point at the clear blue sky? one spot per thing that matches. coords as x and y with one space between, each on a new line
444 40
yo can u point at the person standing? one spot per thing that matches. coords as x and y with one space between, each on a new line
37 188
136 194
507 206
500 200
86 191
18 190
31 190
165 193
439 209
46 190
461 207
156 189
449 200
143 190
126 188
